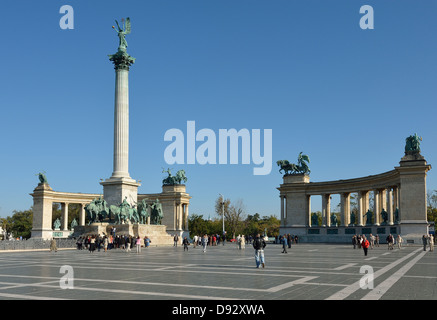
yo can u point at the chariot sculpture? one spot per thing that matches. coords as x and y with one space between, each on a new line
290 168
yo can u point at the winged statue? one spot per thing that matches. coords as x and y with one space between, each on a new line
122 32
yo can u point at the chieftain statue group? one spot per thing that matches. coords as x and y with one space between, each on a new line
98 210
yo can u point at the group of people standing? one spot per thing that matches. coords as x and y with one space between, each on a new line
428 240
124 242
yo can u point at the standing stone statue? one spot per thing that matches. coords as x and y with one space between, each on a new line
73 224
384 216
57 224
368 215
352 218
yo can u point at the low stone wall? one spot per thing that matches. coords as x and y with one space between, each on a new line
35 244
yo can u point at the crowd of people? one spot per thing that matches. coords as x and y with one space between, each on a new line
108 242
360 241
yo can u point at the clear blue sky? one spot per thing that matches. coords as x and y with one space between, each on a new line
347 97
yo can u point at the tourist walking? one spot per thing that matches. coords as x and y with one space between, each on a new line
372 241
284 243
365 244
92 244
390 240
127 244
195 241
354 241
431 242
138 244
243 242
175 240
185 243
204 242
105 243
53 246
146 242
259 244
424 242
399 241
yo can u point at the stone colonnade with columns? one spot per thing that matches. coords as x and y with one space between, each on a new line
174 200
399 205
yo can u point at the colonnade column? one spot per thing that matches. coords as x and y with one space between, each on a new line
345 199
186 216
360 209
395 197
376 207
282 209
326 209
64 208
82 214
390 206
308 210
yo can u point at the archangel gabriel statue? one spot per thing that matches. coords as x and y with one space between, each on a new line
122 32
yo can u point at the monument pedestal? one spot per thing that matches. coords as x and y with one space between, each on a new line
42 212
115 190
297 202
413 218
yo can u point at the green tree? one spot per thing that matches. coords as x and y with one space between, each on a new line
431 197
197 225
271 224
234 215
21 223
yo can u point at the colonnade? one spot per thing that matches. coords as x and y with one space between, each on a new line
386 199
174 201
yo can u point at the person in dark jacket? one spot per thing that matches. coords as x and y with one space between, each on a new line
185 243
259 244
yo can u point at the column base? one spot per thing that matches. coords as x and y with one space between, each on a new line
115 190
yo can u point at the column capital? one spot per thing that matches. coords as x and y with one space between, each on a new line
122 60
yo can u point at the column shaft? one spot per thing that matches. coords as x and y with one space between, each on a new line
121 125
64 207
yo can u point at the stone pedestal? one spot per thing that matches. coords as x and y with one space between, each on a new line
412 197
115 190
297 207
42 212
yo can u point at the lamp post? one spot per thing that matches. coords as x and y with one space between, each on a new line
223 214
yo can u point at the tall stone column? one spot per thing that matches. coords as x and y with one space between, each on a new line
326 209
82 214
120 185
64 207
376 207
345 199
390 205
282 210
360 209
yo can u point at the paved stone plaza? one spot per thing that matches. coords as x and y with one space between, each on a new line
307 271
